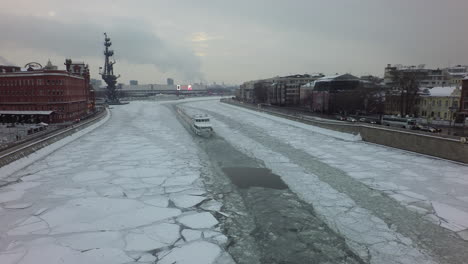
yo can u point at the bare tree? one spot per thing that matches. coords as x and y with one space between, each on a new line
407 87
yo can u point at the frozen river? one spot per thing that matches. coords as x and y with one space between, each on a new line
141 188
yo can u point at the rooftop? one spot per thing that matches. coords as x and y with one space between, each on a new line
338 77
441 91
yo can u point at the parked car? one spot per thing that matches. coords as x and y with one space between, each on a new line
341 118
363 119
427 128
351 119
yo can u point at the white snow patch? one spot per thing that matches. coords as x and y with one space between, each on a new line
91 176
17 206
180 180
457 220
211 205
152 237
95 213
186 201
190 235
198 220
13 167
10 196
315 129
147 258
86 241
157 201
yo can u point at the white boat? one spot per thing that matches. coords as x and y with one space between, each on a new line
199 123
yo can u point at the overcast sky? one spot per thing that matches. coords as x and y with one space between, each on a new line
236 40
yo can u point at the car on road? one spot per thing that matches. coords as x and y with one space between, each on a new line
367 120
351 119
427 129
341 118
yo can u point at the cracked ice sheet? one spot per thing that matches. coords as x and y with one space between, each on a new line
45 251
364 233
104 195
411 177
453 219
17 165
195 252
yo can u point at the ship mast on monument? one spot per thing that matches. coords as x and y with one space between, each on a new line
108 73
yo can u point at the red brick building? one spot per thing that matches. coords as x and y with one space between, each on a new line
464 96
462 114
46 94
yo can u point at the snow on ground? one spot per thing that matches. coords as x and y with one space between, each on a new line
414 180
365 233
319 130
432 187
112 196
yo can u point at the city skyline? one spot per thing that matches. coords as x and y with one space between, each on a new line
212 41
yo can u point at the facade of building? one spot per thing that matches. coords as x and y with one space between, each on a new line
427 78
51 96
287 89
278 90
456 74
133 82
331 94
439 103
8 69
435 78
246 91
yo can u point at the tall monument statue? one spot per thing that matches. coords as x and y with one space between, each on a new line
108 73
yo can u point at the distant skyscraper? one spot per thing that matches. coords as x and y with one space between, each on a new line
133 82
170 81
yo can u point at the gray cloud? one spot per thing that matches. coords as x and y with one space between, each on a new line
133 41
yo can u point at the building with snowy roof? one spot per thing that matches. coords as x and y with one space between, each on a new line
439 103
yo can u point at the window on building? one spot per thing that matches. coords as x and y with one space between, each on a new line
446 103
438 114
445 115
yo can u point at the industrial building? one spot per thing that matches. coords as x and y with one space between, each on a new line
45 94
